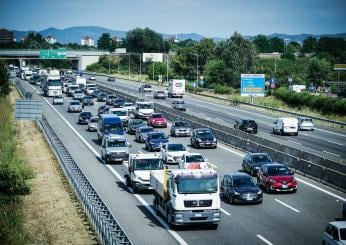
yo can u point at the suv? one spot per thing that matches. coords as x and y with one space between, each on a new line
84 117
335 233
142 132
157 120
114 148
252 162
180 128
305 123
276 177
249 126
155 140
203 137
179 105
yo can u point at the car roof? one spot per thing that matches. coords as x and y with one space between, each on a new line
196 129
275 164
238 174
339 224
257 153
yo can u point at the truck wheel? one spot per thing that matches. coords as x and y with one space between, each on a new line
128 182
134 188
156 205
214 226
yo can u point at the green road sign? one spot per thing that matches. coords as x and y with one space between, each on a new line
53 53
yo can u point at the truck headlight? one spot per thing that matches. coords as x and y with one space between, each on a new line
179 216
216 214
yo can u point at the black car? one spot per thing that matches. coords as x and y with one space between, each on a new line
110 98
101 97
240 188
95 93
179 105
252 162
249 126
180 128
84 117
110 79
344 211
203 137
88 100
134 124
102 109
160 95
118 102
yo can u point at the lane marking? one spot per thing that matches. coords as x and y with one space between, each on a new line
264 240
265 133
288 206
295 142
342 135
303 134
335 142
176 236
225 212
234 152
332 153
140 152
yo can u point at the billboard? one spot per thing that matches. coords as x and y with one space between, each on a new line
152 57
252 85
120 51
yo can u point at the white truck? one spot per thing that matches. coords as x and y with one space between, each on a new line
121 112
143 109
27 75
137 170
52 85
90 87
71 88
185 196
80 81
176 88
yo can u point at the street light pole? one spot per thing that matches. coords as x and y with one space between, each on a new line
197 71
167 68
129 65
109 66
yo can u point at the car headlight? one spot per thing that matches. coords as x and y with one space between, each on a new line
236 193
216 214
214 139
259 192
199 140
272 181
108 153
179 216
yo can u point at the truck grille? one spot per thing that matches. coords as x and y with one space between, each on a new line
197 203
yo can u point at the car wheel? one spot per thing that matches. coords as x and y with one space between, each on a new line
134 188
252 172
230 199
281 132
296 134
268 189
243 168
128 182
274 131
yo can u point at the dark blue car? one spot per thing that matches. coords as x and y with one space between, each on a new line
155 140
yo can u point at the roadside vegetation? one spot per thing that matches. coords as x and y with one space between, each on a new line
14 174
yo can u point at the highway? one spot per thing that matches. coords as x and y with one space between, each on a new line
326 142
298 218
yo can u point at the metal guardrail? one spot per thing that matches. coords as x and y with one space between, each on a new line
105 224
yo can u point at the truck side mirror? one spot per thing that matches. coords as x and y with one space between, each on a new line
128 144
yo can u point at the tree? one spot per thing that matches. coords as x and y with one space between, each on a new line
262 44
216 72
144 40
318 71
293 47
4 80
309 45
106 42
158 68
277 45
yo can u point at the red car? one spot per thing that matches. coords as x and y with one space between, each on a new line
157 120
276 177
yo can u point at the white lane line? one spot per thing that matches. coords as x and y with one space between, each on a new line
264 240
265 133
342 135
140 152
294 142
287 206
321 189
335 143
225 212
234 152
303 134
331 153
176 236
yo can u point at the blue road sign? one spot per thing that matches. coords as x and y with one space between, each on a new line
252 85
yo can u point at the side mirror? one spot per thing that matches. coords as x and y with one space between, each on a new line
128 144
206 160
187 149
130 169
291 172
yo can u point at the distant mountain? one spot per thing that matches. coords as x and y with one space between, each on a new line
76 33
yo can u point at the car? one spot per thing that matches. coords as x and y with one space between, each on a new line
285 125
110 79
240 188
102 109
114 148
191 158
305 123
88 100
203 138
335 233
157 120
58 100
172 152
133 124
145 88
92 77
252 162
155 140
78 95
344 211
141 133
84 117
110 98
74 106
179 105
180 128
101 97
246 125
276 177
92 124
39 81
129 106
160 95
95 93
118 102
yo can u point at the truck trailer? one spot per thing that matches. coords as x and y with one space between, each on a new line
176 88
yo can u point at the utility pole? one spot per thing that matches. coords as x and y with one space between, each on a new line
197 71
129 65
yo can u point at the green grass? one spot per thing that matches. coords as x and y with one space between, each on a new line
14 175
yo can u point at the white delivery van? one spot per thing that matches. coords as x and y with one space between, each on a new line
285 125
176 88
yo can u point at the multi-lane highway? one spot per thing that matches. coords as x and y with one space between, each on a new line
298 218
326 142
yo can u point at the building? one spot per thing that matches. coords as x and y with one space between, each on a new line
88 41
6 36
173 39
117 40
50 39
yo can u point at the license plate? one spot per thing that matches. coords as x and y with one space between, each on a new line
198 215
284 186
250 129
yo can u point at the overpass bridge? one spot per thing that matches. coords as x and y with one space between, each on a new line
84 57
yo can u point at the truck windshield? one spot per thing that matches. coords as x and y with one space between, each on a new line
54 82
117 143
147 164
113 128
145 106
197 185
120 113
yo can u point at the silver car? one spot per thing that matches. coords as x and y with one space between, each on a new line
114 148
75 106
58 100
92 124
305 123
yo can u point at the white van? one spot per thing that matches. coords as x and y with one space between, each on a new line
285 125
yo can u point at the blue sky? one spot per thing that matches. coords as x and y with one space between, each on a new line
211 18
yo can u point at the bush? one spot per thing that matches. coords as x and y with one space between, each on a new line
221 89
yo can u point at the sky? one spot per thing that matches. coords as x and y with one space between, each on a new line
210 18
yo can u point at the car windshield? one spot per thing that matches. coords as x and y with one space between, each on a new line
146 130
157 116
120 113
86 114
244 181
88 98
195 185
136 122
116 143
58 97
94 120
111 97
194 158
179 102
158 136
160 92
145 106
306 120
180 124
261 158
343 234
128 104
176 147
147 164
146 86
205 133
78 92
103 95
75 103
272 171
56 82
